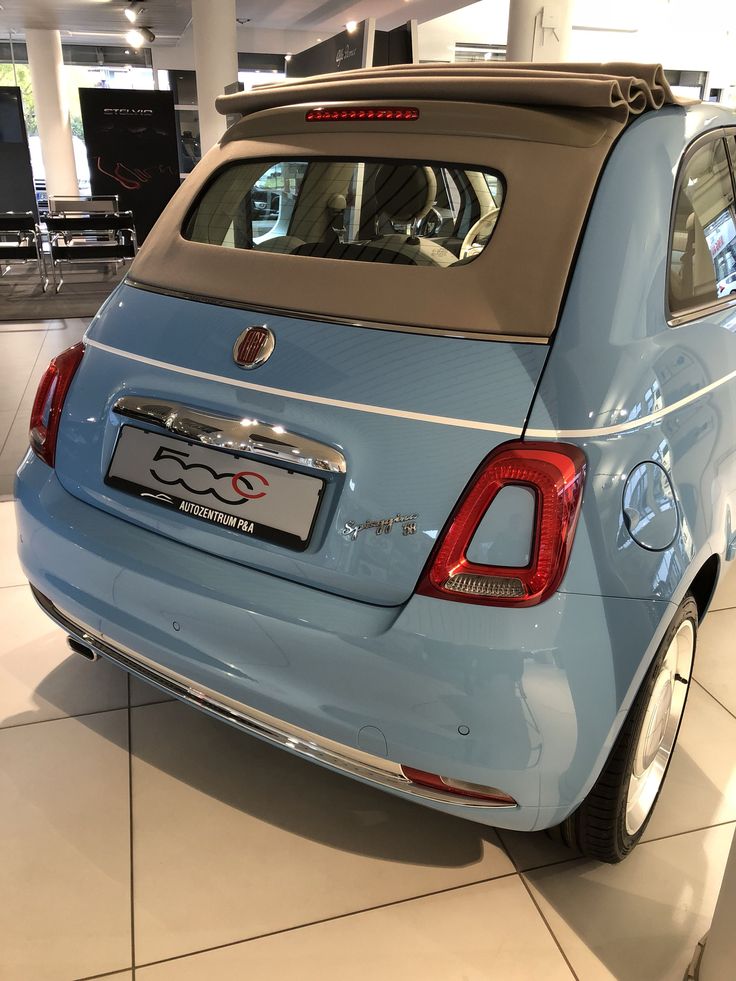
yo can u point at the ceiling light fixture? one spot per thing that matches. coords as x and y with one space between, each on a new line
287 57
133 11
352 25
140 36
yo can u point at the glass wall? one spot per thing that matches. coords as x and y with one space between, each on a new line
87 66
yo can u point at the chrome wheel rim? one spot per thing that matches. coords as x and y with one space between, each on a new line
659 728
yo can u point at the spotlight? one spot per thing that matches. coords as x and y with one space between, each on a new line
133 11
287 57
351 26
140 36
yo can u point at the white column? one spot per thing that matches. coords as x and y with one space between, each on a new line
215 61
539 30
52 113
719 954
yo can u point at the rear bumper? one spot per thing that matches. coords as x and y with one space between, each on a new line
374 769
528 701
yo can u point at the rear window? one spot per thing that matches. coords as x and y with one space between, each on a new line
399 212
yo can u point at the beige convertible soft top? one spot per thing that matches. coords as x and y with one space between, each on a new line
549 132
626 88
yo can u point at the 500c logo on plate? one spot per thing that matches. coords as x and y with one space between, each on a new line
229 488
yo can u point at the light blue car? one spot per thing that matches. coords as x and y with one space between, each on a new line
430 477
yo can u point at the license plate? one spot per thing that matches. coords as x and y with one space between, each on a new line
225 489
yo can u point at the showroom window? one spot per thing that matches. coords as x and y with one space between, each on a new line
398 212
703 253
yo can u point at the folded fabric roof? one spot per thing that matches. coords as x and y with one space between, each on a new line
626 89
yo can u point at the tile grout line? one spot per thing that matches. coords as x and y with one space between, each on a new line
646 841
130 822
107 974
691 831
327 919
716 700
82 715
536 904
547 924
399 902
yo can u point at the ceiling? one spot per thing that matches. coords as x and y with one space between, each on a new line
99 21
102 21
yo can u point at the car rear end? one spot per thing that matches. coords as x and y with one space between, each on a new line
284 476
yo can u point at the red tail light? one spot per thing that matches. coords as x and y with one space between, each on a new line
49 402
555 472
360 114
460 787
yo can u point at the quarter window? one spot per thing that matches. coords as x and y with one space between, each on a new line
397 211
703 252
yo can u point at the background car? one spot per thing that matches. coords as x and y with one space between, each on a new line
727 285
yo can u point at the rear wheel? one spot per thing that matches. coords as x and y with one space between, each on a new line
614 815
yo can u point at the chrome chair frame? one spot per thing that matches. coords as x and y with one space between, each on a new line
29 243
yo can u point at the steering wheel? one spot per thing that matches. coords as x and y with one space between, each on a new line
473 243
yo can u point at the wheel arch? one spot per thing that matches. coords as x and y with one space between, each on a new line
704 583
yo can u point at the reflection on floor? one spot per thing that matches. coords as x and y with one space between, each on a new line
25 351
136 831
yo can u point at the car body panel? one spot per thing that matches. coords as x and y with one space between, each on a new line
413 415
541 702
649 392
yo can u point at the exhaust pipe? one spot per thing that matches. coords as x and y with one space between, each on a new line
79 648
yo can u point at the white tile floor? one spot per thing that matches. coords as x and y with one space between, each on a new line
136 831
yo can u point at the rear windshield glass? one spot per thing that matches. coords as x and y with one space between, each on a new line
405 213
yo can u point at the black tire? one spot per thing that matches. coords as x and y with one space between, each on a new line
598 827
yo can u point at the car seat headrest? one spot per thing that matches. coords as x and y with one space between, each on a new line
404 192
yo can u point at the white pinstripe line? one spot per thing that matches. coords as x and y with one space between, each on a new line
301 397
625 427
380 410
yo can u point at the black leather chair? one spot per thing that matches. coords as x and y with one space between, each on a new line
96 238
20 242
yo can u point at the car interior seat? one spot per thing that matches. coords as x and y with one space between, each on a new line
404 193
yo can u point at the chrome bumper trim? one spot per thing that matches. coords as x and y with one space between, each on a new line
225 432
337 756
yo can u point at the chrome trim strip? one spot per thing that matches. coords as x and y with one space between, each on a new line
224 432
367 324
337 756
697 313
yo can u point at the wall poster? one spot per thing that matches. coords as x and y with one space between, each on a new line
132 150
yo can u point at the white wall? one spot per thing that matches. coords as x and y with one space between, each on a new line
479 23
256 40
690 35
